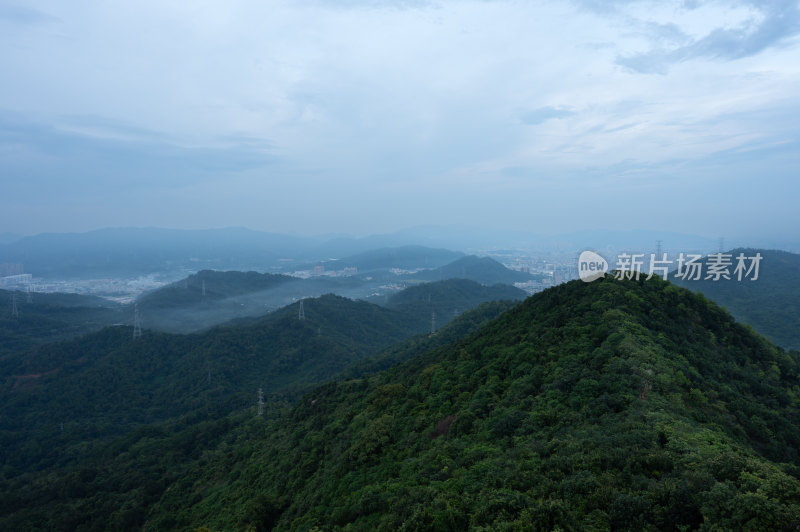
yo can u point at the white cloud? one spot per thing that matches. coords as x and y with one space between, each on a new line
385 95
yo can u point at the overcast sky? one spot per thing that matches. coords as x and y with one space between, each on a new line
367 116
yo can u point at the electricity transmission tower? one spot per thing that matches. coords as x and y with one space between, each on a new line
204 288
14 309
301 314
29 299
137 323
260 402
433 322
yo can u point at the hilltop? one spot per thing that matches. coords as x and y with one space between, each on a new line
208 286
484 270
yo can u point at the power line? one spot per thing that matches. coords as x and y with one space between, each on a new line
137 323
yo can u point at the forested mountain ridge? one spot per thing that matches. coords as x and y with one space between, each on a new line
622 405
207 286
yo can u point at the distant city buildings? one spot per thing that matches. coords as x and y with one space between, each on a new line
120 290
16 281
320 271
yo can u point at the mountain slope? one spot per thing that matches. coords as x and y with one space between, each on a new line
208 285
771 304
484 270
113 485
209 298
106 383
51 317
615 405
446 299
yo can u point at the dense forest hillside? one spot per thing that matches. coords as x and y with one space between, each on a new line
110 485
42 318
441 301
83 391
771 304
617 405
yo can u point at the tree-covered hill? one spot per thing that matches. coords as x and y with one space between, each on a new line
443 300
110 485
484 270
211 297
615 405
182 307
771 304
82 391
208 286
42 318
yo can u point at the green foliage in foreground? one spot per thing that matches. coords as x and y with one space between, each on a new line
604 406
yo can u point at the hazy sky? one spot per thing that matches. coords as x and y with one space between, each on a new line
367 116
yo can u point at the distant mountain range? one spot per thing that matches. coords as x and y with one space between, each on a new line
139 251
